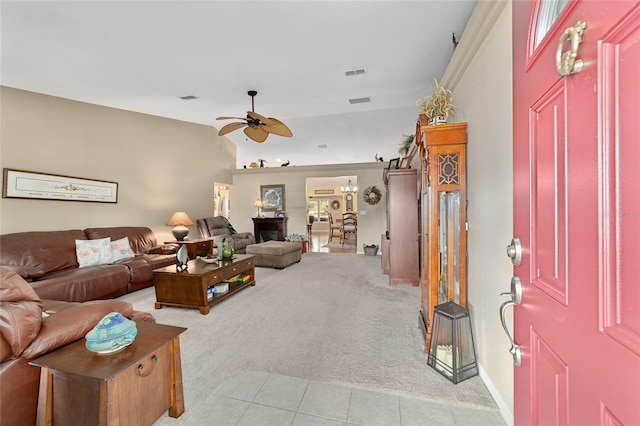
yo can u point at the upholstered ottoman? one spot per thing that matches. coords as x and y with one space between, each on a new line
276 254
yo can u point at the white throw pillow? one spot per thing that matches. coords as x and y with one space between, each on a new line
93 252
121 250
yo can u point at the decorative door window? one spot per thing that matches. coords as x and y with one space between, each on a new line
548 13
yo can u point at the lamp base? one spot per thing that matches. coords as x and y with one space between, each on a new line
180 232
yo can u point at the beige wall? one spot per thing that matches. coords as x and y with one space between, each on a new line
484 98
246 188
161 165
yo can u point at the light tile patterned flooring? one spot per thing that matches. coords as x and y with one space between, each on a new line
263 399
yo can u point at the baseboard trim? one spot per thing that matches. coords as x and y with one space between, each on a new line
505 411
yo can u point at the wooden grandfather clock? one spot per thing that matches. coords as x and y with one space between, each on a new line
443 271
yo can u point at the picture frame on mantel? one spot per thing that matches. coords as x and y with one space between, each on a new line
47 186
273 197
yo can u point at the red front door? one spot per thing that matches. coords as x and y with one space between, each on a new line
577 215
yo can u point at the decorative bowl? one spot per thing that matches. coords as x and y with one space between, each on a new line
209 259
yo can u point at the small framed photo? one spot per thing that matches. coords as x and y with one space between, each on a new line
279 213
405 163
273 197
393 163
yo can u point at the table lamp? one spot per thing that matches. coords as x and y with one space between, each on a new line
258 204
179 221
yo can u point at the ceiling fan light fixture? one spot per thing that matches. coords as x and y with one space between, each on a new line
257 126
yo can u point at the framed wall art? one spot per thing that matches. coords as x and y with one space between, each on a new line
405 163
393 163
273 197
46 186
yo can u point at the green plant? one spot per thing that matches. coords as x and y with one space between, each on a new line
439 103
405 145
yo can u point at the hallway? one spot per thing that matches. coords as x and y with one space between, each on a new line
319 243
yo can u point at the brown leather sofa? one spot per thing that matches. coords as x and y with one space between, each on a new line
219 227
48 261
31 327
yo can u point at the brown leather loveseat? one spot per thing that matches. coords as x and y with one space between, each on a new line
47 260
31 327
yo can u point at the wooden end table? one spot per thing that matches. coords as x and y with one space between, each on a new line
134 386
189 288
195 247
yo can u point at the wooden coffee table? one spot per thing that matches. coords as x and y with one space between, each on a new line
189 288
132 387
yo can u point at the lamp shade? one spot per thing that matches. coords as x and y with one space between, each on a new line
179 221
258 204
179 218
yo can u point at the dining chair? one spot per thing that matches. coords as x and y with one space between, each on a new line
349 226
333 228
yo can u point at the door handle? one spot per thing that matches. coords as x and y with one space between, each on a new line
516 299
514 251
515 349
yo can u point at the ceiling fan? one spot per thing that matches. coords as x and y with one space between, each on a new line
257 126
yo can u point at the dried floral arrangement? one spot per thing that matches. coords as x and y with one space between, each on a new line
439 105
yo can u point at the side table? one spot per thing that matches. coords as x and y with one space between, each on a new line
134 386
195 247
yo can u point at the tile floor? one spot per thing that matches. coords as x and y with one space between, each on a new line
263 399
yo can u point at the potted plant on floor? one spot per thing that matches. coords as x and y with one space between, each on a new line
302 239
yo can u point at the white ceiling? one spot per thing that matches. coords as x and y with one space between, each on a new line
142 56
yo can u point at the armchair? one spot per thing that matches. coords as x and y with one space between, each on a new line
219 227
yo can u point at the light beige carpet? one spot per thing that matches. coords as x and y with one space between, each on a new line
331 318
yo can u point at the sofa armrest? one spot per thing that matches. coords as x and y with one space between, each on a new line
68 325
244 236
164 249
28 273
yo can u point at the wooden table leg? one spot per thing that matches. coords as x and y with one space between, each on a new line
45 399
177 398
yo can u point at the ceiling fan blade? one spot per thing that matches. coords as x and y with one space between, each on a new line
262 118
258 134
279 128
230 128
231 118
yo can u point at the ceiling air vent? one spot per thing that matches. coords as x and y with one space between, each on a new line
352 73
360 100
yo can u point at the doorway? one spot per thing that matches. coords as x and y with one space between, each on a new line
221 199
327 199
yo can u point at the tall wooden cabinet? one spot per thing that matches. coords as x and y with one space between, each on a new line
400 242
443 273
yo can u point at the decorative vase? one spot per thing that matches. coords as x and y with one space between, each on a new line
227 251
437 120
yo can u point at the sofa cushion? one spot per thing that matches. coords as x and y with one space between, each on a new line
121 250
93 252
46 251
141 239
20 314
82 284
